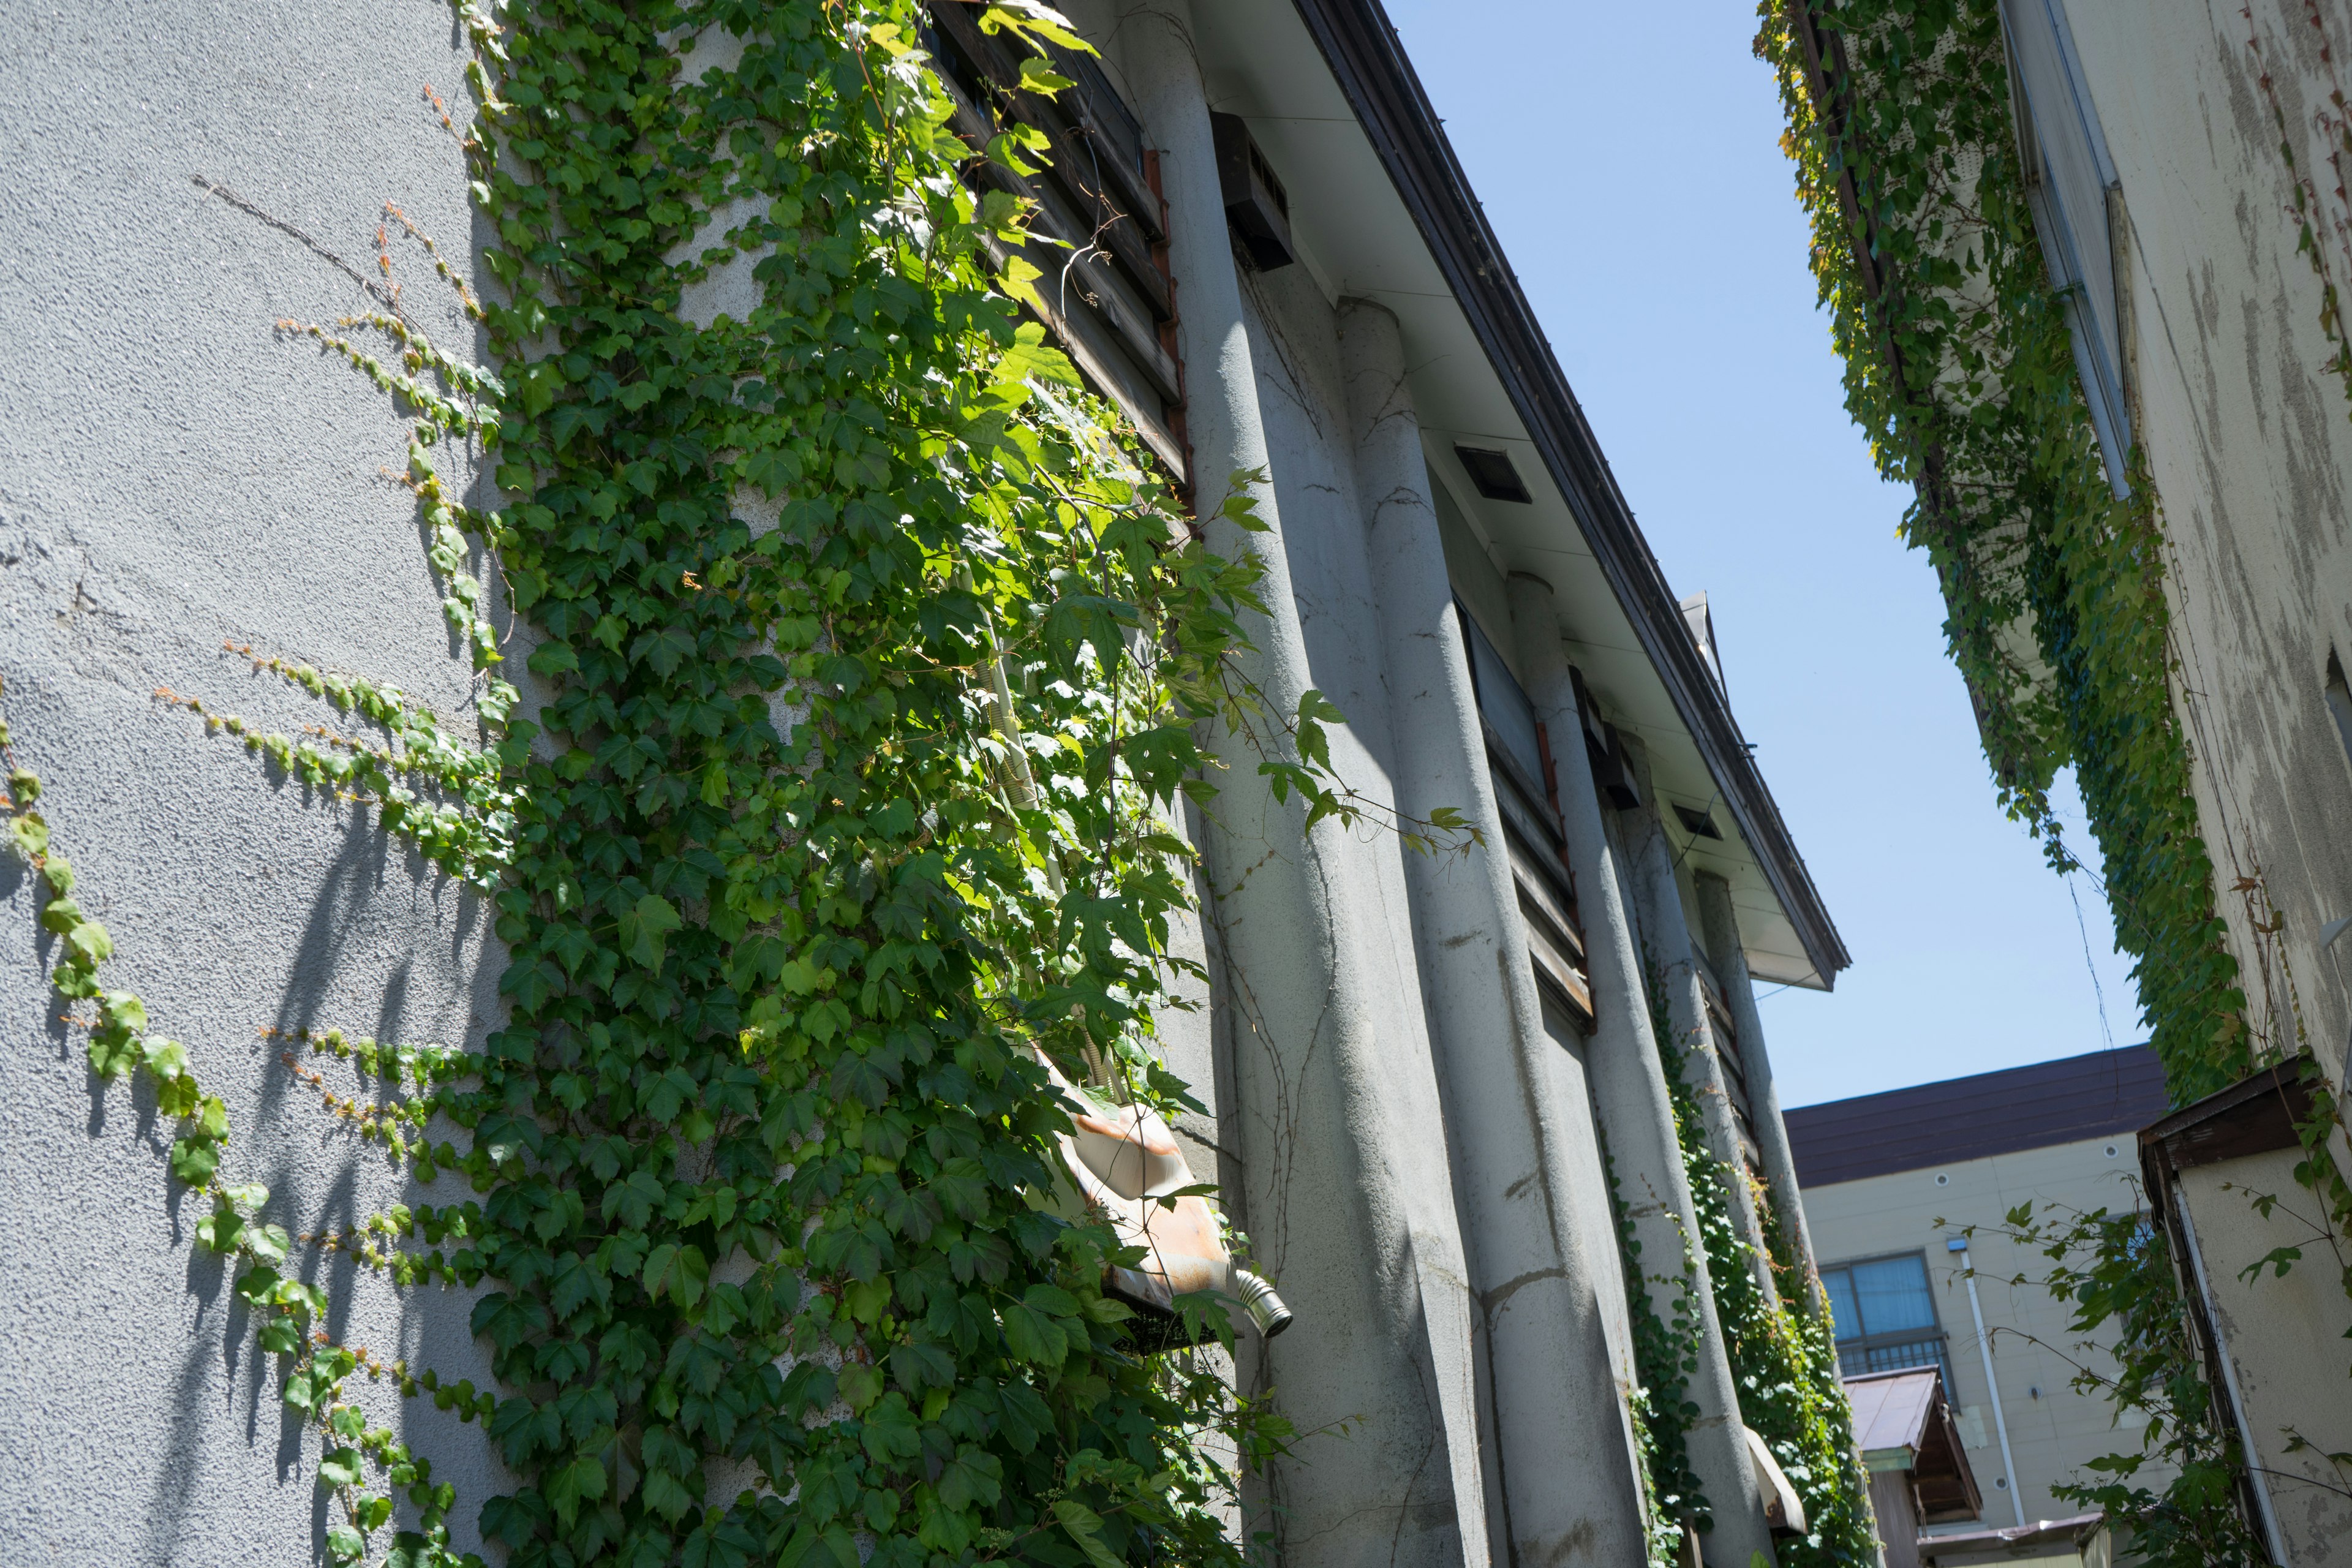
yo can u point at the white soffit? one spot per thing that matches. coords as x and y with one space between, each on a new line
1260 62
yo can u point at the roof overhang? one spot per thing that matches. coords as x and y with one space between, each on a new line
1381 210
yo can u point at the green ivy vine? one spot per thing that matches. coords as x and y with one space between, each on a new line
1959 369
1781 1347
874 666
1665 1353
2141 1361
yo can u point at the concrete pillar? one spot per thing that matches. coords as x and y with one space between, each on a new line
1665 929
1347 1196
1518 1118
1629 1088
1720 926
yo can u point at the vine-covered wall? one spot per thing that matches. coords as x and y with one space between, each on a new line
180 475
869 670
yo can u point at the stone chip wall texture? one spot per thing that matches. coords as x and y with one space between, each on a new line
174 472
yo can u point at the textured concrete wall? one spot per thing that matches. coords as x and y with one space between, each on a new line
175 473
2246 436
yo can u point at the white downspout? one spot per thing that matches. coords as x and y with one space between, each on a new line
1959 1243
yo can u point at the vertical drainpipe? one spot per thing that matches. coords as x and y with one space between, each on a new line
1517 1116
1630 1098
1349 1200
1720 924
1959 1243
1666 930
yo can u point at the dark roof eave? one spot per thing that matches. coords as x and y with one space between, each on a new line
1365 57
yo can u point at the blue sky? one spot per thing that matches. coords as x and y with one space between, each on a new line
1628 158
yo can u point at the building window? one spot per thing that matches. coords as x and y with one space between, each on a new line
1885 1314
2072 188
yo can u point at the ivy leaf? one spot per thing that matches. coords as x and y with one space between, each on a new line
113 1052
920 1366
269 1243
973 1478
309 1386
30 832
682 1271
1038 77
962 1186
194 1158
646 927
859 1385
667 1495
177 1095
551 658
1033 1337
167 1061
89 943
220 1231
345 1545
340 1468
1083 1526
61 914
582 1480
665 650
669 1094
124 1010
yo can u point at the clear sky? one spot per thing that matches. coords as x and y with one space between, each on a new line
1628 158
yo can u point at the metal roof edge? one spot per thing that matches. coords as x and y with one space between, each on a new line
1362 49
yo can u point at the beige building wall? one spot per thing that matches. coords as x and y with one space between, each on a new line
2245 432
2054 1431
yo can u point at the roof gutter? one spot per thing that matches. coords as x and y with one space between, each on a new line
1362 50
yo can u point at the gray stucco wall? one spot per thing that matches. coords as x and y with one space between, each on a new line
174 472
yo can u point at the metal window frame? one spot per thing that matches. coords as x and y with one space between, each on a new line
2098 362
1865 1342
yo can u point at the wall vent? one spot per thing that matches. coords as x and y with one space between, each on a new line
1257 208
1492 474
1697 824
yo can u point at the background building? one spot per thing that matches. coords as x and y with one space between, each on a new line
1892 1180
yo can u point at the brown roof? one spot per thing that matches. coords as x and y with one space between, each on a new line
1891 1408
1902 1421
1969 1118
2017 1540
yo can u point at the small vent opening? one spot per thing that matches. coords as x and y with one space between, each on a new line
1492 474
1697 824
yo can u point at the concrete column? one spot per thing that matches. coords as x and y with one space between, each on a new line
1666 928
1347 1195
1517 1119
1720 927
1629 1088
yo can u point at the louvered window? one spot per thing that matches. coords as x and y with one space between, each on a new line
1100 233
1518 759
